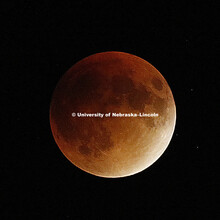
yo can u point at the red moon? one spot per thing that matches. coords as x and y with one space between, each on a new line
112 82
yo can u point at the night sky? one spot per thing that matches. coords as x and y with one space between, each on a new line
41 40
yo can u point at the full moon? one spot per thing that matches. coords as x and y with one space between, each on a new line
98 114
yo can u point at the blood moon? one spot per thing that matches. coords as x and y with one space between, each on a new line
115 82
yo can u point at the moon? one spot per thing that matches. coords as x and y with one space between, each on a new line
112 82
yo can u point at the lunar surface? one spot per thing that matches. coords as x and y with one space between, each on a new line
112 82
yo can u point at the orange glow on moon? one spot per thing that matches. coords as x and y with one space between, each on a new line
112 82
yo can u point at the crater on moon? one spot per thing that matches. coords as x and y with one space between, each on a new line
122 85
157 83
139 98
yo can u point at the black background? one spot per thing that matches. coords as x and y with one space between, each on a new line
41 41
